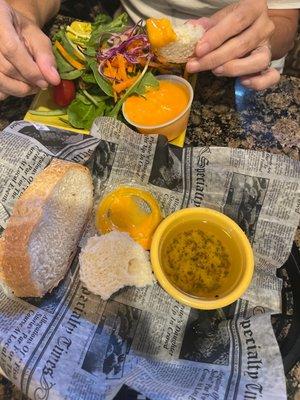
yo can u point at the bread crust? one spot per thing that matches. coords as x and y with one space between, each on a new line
15 266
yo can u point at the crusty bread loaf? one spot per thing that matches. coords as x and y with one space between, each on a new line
112 261
44 229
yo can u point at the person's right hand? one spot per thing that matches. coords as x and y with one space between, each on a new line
26 59
237 43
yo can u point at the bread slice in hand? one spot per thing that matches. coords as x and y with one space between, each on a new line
44 229
111 261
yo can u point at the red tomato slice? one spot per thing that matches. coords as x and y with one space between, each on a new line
64 93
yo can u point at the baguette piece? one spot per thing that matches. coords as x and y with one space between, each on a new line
44 229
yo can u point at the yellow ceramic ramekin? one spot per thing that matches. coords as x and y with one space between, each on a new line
173 128
242 264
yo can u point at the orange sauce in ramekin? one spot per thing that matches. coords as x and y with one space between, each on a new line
159 105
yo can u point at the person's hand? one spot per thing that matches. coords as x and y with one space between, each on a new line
26 59
237 44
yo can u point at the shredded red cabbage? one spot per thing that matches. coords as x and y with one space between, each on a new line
141 48
121 43
133 44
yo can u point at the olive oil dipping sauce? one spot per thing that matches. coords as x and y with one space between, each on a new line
158 106
201 259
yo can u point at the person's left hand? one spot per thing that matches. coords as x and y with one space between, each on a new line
237 44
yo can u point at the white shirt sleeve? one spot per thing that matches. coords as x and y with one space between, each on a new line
283 5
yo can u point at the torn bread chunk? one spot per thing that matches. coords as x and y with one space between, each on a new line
180 50
112 261
173 44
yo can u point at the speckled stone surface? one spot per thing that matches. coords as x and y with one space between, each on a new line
226 114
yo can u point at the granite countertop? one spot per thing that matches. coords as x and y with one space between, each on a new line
226 114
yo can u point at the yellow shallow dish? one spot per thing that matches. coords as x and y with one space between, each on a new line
43 102
235 241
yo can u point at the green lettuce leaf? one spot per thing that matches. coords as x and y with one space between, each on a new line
88 77
62 65
82 112
148 81
66 70
71 75
60 36
101 19
103 26
104 85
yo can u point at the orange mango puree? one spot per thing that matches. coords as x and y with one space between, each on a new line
157 106
131 210
160 32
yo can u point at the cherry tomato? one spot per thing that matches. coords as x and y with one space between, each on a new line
64 93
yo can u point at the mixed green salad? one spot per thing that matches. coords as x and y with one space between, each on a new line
101 64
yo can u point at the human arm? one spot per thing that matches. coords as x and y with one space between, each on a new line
285 23
238 42
39 11
26 59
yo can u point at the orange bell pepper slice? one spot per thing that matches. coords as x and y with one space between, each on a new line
67 57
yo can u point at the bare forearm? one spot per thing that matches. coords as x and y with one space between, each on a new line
286 22
40 11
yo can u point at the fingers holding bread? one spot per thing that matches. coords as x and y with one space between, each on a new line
173 44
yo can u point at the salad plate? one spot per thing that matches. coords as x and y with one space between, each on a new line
101 64
43 102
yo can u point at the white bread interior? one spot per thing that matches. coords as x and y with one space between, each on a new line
44 229
111 261
183 47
